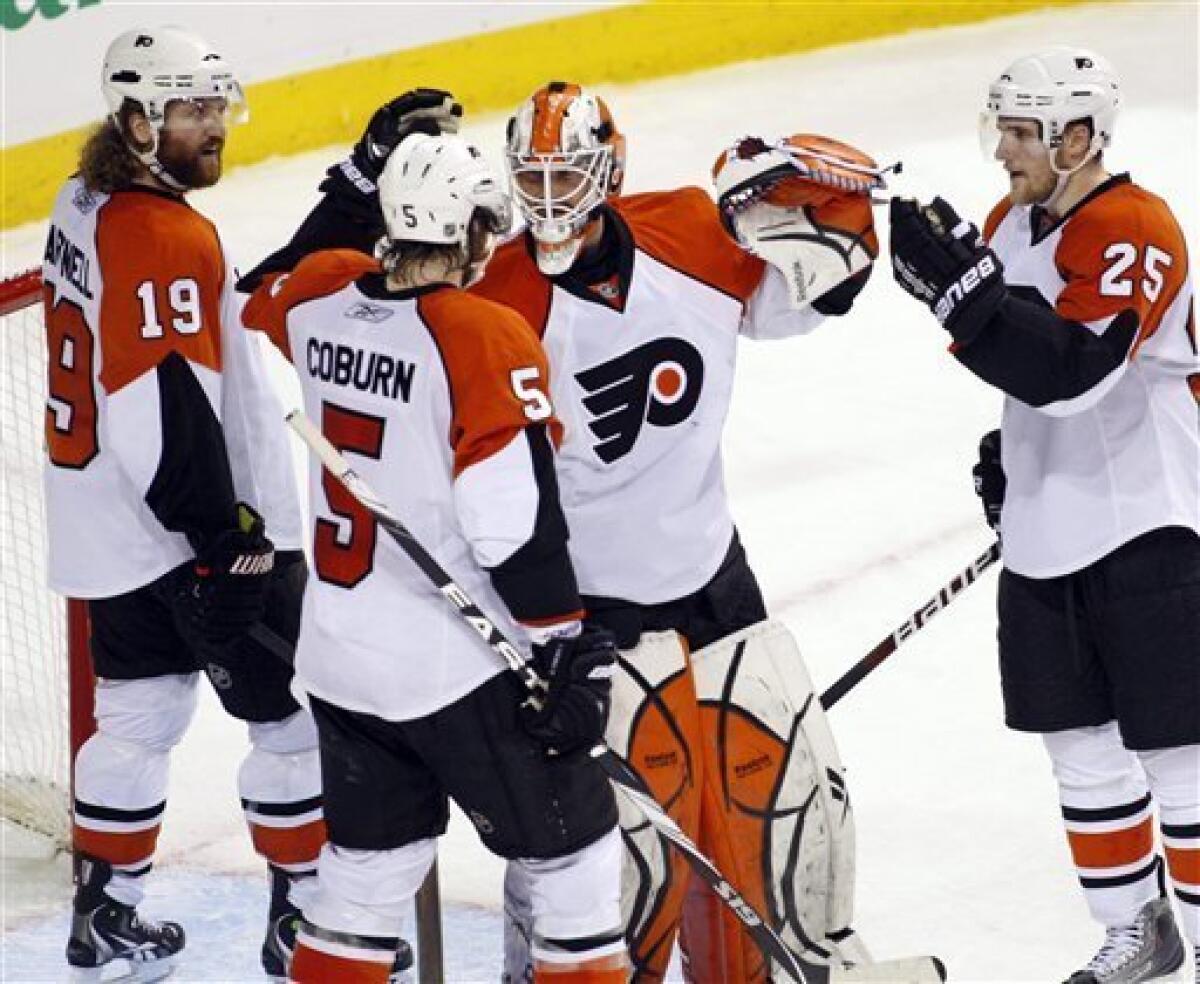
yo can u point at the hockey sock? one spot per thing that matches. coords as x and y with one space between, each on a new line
324 955
1106 810
120 796
280 787
1174 775
612 969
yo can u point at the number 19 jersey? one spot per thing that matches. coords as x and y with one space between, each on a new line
158 414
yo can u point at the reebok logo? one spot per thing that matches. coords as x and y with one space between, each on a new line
976 274
374 313
662 760
658 383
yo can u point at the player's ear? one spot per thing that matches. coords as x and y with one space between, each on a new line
137 127
1076 143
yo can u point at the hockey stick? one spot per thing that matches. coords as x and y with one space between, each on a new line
430 968
624 778
906 630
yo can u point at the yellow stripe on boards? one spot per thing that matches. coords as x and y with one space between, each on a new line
494 71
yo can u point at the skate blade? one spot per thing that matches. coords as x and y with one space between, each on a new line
123 971
907 970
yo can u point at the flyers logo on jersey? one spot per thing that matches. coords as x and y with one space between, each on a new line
657 383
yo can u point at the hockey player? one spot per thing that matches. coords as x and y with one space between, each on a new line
442 399
640 302
165 460
1077 304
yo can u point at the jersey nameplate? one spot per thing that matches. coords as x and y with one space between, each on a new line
71 261
366 371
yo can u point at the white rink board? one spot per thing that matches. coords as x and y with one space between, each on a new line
848 462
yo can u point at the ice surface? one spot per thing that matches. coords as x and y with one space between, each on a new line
848 463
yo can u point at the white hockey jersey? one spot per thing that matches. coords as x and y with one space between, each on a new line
643 369
1121 458
133 281
439 400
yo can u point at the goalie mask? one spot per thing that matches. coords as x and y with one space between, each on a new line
565 157
157 66
440 191
1054 88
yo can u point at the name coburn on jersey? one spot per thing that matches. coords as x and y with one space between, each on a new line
370 372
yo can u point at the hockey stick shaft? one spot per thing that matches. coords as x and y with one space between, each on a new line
907 629
624 778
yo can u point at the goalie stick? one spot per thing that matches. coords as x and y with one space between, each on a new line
914 624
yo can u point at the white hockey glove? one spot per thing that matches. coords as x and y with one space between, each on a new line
802 204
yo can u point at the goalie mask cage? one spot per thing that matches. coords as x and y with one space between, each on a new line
45 671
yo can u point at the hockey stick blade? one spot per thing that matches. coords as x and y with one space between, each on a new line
914 624
625 779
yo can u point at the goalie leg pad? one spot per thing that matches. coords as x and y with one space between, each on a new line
654 725
776 812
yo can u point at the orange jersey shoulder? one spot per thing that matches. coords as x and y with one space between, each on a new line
682 229
496 369
163 273
1121 250
317 275
513 279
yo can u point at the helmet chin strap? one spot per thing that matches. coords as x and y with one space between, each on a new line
150 159
1064 174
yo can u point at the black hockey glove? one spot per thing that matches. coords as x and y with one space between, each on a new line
431 111
942 260
578 672
221 593
990 481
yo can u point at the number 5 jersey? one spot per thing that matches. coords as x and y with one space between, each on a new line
159 415
439 400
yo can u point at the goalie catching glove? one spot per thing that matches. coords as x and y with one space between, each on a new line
221 593
578 670
803 204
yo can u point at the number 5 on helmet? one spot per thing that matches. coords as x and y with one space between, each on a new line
802 204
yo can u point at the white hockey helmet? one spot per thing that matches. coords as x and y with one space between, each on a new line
1055 87
433 187
565 157
154 66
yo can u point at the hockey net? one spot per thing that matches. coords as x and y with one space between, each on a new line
45 682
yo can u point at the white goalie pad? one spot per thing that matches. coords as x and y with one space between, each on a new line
758 673
812 257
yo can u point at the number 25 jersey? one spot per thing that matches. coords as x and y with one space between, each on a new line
159 415
1117 453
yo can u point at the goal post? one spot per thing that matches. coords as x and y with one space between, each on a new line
45 672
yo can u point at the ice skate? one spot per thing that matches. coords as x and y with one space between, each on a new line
281 942
109 941
1146 950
